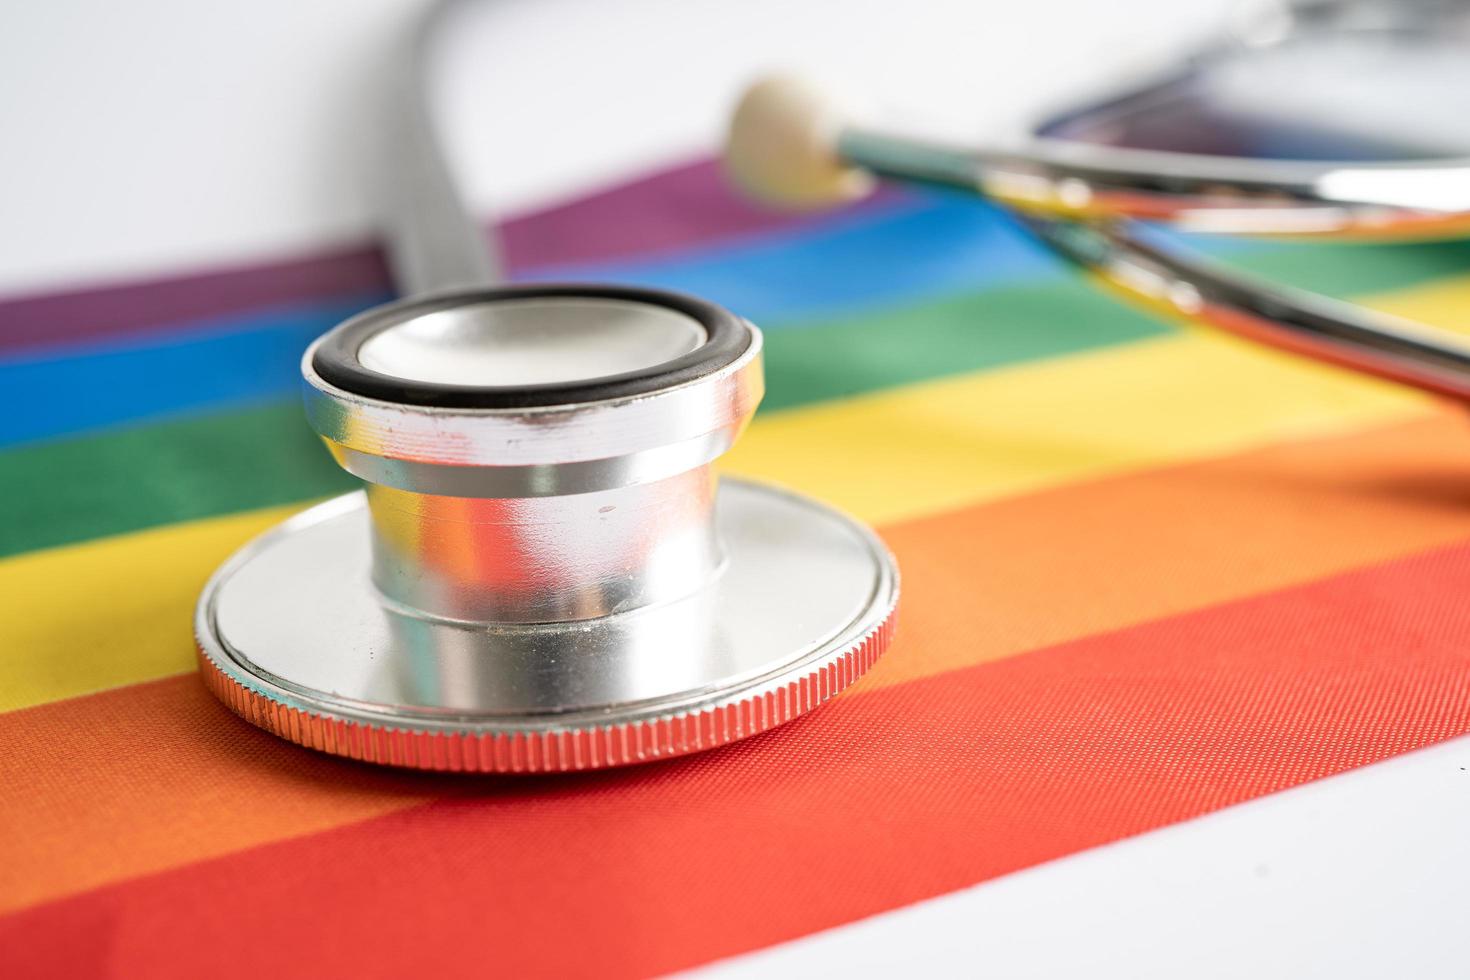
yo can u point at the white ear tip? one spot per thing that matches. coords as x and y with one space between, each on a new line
781 146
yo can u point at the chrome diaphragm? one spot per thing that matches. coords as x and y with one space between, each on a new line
543 572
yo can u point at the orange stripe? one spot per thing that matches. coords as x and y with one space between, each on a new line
886 798
145 777
980 584
1032 571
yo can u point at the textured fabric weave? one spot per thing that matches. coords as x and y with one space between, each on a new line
1148 574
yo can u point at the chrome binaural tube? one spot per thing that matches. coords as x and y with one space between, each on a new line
1194 193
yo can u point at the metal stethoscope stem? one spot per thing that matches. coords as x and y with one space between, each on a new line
433 239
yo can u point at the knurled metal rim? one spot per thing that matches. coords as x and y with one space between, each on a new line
557 750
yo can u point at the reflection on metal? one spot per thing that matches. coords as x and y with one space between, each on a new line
293 637
551 586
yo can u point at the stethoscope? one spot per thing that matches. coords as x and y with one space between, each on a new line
544 573
1075 182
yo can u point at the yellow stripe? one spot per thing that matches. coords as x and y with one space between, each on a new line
111 612
1442 304
946 444
940 445
117 611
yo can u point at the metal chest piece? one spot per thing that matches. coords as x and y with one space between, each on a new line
543 573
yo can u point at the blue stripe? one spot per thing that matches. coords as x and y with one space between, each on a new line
941 245
241 360
947 244
936 246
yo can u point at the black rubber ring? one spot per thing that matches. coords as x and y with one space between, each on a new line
336 361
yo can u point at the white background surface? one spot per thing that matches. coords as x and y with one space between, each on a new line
159 134
169 135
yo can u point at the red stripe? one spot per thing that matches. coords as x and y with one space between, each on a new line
879 800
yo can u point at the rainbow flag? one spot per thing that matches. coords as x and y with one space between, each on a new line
1149 573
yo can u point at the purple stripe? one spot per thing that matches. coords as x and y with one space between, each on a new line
676 209
683 207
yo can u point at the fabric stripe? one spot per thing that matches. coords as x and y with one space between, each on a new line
256 355
1353 268
179 470
960 334
224 462
942 445
58 322
231 364
1050 761
1441 303
980 585
137 626
962 777
851 262
184 469
946 242
940 246
1087 558
686 206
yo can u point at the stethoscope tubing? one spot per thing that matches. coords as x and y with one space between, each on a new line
434 242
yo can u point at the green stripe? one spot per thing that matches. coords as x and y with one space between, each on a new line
77 489
1353 269
72 490
126 480
956 335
